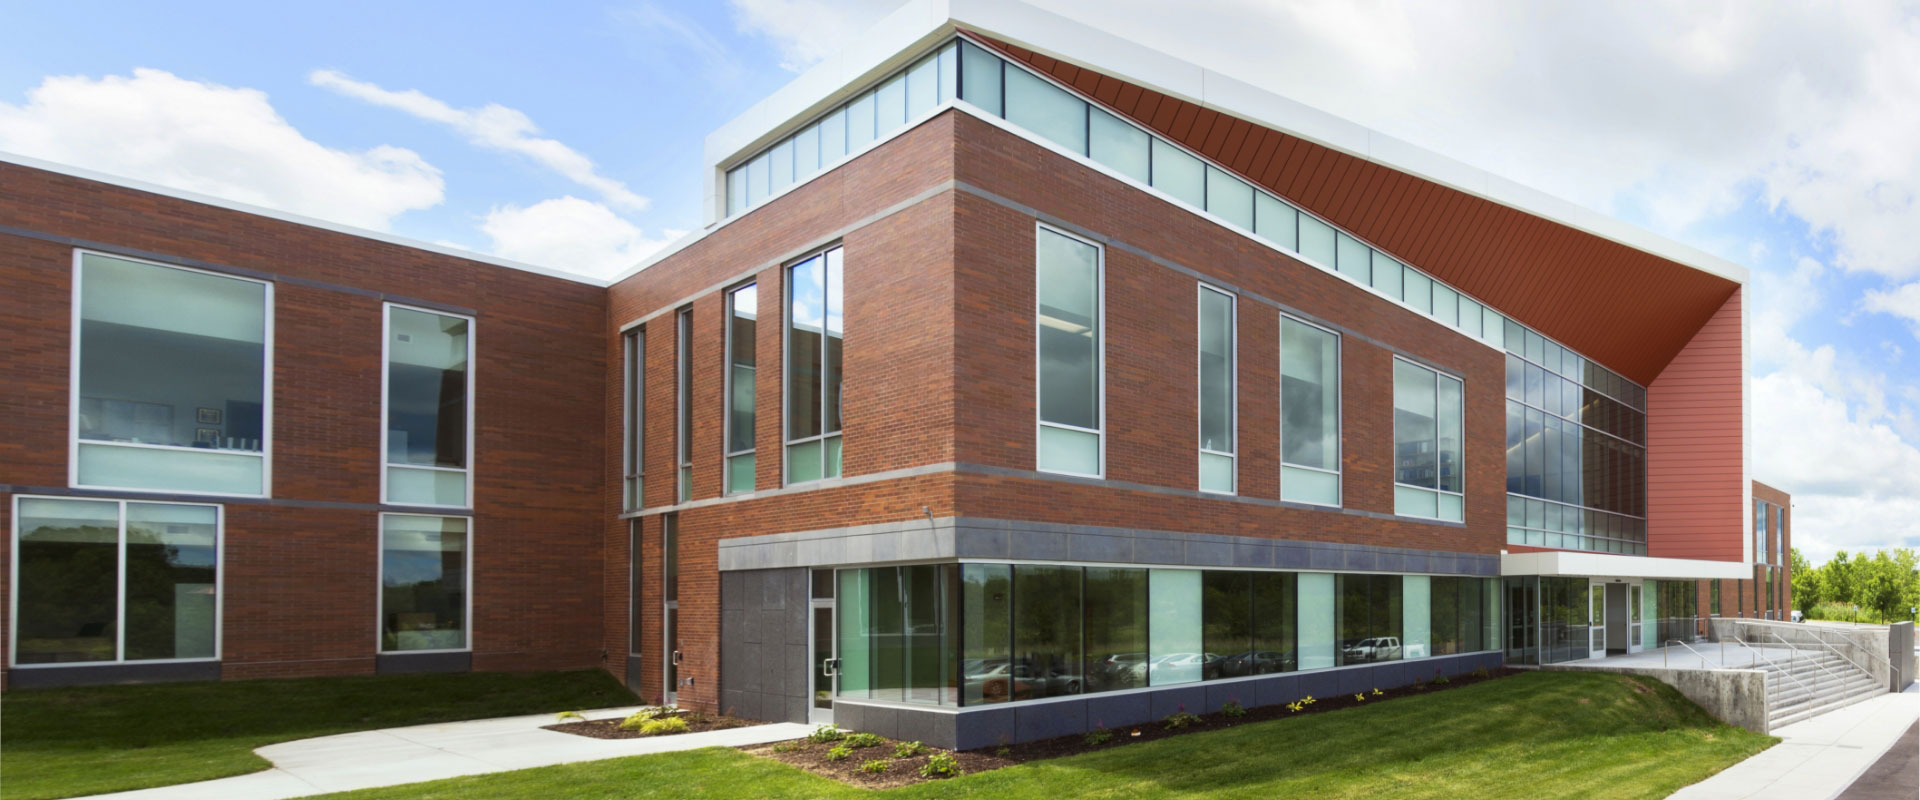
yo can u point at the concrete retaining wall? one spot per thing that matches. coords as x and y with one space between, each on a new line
1734 696
1867 646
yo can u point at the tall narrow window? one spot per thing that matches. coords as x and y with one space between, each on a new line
634 579
670 601
742 308
103 581
171 387
1309 413
683 400
635 346
1216 391
815 322
1427 414
1069 335
425 565
429 425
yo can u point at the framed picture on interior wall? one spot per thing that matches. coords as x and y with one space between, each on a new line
206 436
207 416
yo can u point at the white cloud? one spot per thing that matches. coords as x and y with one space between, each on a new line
216 140
571 234
493 126
806 31
1855 481
1900 301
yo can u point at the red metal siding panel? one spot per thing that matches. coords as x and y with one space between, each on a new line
1695 452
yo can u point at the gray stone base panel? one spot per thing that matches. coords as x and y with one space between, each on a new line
418 663
991 726
104 674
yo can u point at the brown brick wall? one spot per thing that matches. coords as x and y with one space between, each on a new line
300 570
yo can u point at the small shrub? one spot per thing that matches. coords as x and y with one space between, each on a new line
656 727
908 749
826 733
1233 709
875 766
1377 692
638 718
940 765
786 747
1179 719
570 715
1003 752
1295 706
1099 736
840 752
1359 698
1481 673
860 740
1308 700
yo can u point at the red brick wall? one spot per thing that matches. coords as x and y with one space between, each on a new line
300 571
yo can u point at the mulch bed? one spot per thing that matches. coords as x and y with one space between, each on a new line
610 728
812 756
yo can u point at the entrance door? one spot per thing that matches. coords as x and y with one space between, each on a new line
672 690
1597 631
1617 618
823 666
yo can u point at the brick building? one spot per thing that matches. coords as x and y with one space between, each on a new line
1023 379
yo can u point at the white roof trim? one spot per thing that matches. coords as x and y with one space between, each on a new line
1608 565
297 219
903 32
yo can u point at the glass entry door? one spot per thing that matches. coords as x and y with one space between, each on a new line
1597 630
823 666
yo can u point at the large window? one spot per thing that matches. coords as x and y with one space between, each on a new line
683 403
1427 420
634 577
429 423
742 309
425 593
894 627
1217 396
634 401
816 323
1309 413
1367 609
1069 337
104 581
173 378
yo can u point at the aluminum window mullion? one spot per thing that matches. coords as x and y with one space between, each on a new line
120 610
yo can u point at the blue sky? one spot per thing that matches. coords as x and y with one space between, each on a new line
1778 135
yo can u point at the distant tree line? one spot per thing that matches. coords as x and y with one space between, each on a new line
1886 584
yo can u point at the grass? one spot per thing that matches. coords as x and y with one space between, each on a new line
67 742
1537 735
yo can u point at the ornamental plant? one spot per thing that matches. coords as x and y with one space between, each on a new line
1179 719
875 765
860 740
1233 709
826 733
908 749
1377 692
940 765
656 727
840 752
567 715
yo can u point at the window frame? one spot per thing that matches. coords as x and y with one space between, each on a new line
386 339
633 342
1199 387
1340 410
380 585
635 536
727 453
1099 353
1461 467
74 339
120 598
786 366
683 402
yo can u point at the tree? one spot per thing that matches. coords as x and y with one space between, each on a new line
1886 583
1837 578
1807 586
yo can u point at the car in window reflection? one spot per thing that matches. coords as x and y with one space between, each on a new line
1117 670
1378 648
1256 662
1179 667
996 679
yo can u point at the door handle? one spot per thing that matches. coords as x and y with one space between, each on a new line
829 667
676 658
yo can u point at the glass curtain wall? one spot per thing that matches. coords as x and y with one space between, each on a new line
815 334
897 631
424 573
1576 457
170 389
742 309
1217 395
1547 619
1068 337
1428 411
1309 413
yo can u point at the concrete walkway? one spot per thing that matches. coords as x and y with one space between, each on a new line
1820 757
395 756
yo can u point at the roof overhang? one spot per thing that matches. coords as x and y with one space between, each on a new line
1605 565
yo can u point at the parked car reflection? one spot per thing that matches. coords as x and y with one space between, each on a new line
995 680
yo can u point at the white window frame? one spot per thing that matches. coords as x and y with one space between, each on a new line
1462 494
1340 410
727 453
786 366
380 585
386 339
633 356
120 608
1199 390
73 388
1100 353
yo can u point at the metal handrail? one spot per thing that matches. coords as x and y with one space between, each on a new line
1836 651
1776 667
1823 668
1665 650
1822 634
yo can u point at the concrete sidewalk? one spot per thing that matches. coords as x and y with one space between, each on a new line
395 756
1820 757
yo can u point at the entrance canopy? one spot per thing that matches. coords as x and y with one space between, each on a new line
1606 565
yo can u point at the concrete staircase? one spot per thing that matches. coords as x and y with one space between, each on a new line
1812 682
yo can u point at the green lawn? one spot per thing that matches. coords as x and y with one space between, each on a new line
66 742
1537 735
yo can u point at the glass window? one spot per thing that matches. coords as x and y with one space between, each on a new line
1416 606
1119 146
1069 331
742 309
1309 413
634 345
1388 275
683 395
815 335
1229 198
736 190
890 105
986 637
427 407
893 627
980 77
1226 619
1216 390
1368 611
1316 241
1047 110
1428 412
1047 661
949 71
635 612
1174 648
1470 318
780 167
860 122
424 566
1317 643
1446 305
1418 290
833 137
1116 622
1493 326
806 152
923 86
1275 221
1354 259
81 598
1275 625
172 378
1179 174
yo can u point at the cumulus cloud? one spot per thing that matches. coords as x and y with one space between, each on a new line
217 140
805 31
572 234
492 126
1900 301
